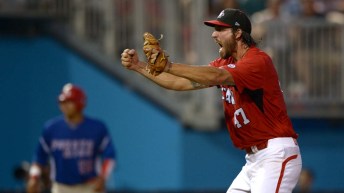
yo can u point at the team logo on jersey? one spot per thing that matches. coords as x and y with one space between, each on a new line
231 65
221 14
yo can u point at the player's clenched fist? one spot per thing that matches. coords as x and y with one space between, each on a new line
130 59
99 184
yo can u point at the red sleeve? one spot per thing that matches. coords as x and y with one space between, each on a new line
247 73
215 63
107 167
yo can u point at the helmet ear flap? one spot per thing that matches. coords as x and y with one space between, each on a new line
73 93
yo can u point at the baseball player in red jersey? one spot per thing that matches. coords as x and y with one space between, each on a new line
254 107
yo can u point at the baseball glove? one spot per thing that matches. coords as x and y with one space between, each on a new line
157 59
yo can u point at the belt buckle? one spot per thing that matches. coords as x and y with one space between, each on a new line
254 149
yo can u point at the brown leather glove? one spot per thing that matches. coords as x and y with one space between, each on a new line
157 59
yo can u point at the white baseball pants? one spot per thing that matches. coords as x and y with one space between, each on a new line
275 169
80 188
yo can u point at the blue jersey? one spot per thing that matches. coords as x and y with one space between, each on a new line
73 151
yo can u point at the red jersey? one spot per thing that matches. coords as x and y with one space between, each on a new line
255 110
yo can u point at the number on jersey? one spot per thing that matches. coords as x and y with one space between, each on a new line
237 113
228 97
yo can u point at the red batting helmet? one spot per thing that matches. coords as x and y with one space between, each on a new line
73 93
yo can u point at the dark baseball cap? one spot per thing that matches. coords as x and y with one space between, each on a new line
231 18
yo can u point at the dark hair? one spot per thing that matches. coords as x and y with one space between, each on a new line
246 37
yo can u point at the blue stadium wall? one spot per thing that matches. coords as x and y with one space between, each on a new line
151 156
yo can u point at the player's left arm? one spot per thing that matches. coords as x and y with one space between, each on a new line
107 166
108 155
108 163
204 75
131 61
107 152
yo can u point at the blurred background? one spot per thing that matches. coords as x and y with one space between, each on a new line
167 141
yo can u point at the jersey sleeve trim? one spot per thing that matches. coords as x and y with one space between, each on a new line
107 166
104 143
44 145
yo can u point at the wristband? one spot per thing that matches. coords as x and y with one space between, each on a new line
35 171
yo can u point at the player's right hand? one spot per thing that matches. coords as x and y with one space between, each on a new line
99 184
130 59
33 185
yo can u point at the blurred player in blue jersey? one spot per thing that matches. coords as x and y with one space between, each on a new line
78 149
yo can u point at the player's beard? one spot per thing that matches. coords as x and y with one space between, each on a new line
228 48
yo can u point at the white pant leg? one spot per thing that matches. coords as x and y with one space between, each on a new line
276 167
80 188
274 174
291 175
241 183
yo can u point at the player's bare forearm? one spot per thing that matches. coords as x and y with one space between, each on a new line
170 81
99 184
203 75
33 185
130 60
